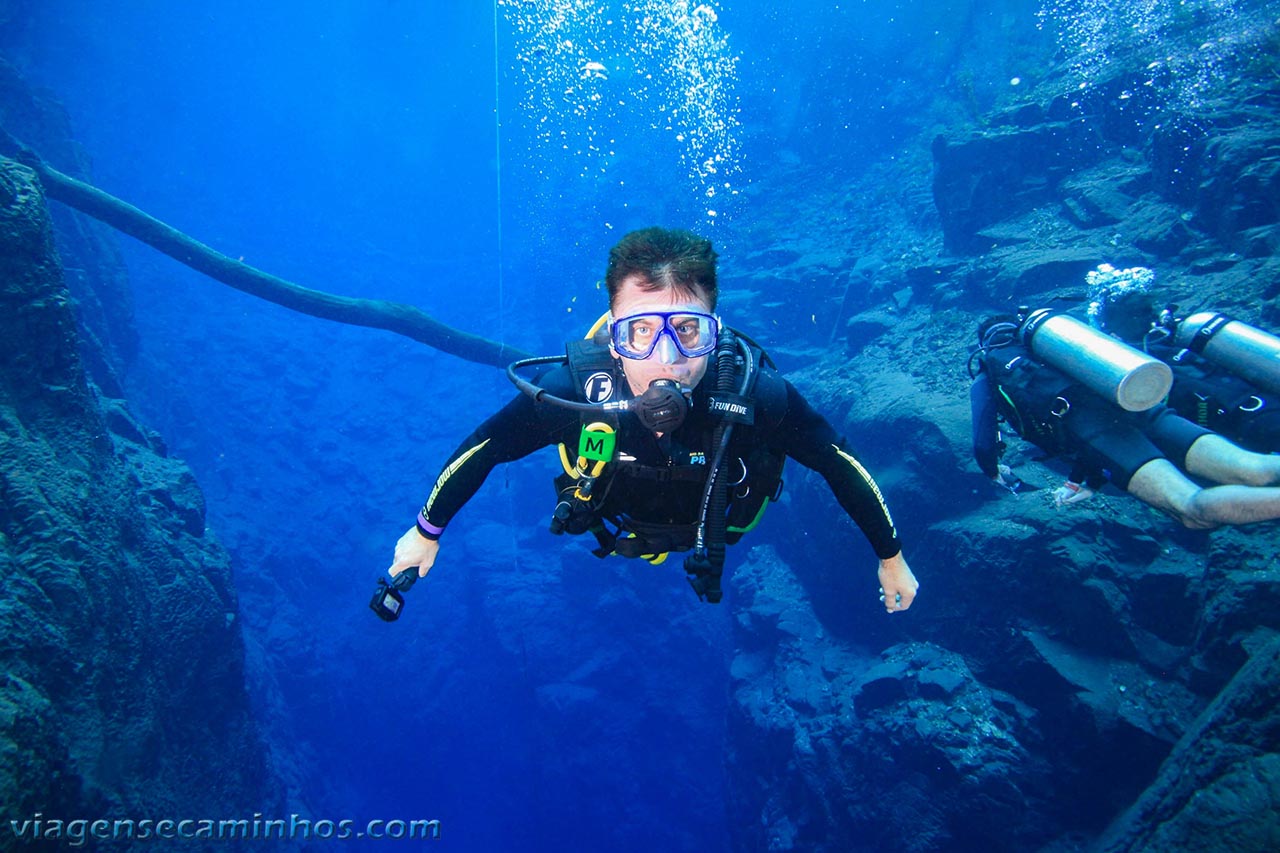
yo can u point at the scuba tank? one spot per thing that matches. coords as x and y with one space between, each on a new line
1131 379
1244 350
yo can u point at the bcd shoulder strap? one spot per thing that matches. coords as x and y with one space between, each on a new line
593 370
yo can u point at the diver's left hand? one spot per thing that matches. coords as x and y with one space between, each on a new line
897 584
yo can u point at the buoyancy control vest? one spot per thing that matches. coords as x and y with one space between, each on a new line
1031 397
737 482
1217 399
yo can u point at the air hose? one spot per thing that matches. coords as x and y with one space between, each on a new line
705 565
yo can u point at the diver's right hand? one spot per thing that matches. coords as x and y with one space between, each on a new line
1006 478
1071 493
414 549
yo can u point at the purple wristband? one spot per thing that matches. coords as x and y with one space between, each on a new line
427 527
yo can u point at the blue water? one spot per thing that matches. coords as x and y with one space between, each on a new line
367 148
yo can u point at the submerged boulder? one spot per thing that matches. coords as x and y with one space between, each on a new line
851 751
1219 790
983 177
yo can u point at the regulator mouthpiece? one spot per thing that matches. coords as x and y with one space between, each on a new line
661 408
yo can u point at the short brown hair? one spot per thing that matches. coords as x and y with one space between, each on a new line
666 259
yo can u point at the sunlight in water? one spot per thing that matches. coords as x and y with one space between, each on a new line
1192 48
595 75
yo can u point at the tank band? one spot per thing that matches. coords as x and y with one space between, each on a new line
1034 322
1201 338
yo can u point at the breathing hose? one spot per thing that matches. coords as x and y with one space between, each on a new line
706 564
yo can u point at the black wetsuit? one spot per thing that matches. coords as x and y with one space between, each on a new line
1220 401
1063 418
637 490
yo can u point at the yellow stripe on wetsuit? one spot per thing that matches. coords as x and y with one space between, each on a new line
449 472
866 476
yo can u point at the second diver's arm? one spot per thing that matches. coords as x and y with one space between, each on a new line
986 430
987 445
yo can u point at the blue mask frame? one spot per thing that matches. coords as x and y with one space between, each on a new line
708 336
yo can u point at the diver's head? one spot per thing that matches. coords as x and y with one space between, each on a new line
661 334
1121 302
1128 316
662 299
656 259
1000 330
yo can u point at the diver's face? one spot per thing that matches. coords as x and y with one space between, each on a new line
666 361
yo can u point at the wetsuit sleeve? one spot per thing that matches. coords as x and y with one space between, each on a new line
808 438
518 429
986 430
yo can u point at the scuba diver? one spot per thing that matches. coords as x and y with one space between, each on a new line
1080 394
673 430
1226 374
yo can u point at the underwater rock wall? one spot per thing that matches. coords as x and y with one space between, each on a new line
123 694
92 267
1091 678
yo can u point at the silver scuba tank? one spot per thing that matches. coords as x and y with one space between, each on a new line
1245 350
1131 379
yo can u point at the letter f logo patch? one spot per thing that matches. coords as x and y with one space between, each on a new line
598 388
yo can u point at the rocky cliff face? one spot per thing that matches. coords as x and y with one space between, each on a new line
92 268
123 690
1069 679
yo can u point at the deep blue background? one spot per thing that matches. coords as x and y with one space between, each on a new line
354 147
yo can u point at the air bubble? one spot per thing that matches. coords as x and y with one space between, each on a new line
661 64
1203 43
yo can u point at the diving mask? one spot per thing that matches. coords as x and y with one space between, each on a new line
693 333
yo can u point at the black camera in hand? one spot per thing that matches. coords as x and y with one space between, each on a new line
388 598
